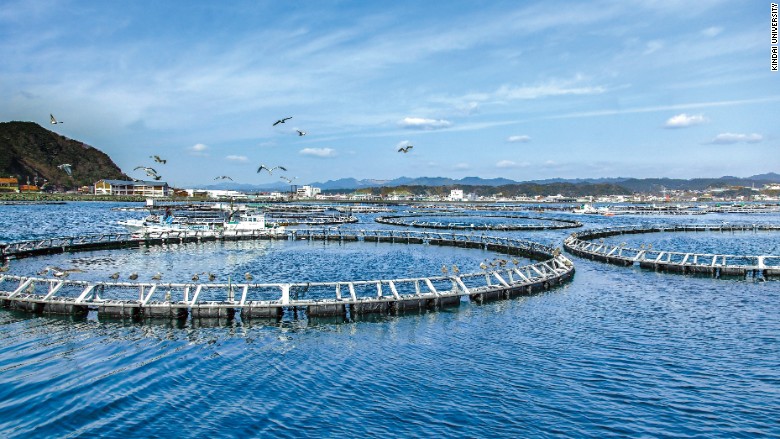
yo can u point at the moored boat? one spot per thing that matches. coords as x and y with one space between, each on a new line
249 222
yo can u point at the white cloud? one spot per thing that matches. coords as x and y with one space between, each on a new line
684 120
712 31
468 108
237 158
198 149
424 124
506 164
551 88
731 138
461 167
318 152
653 46
518 139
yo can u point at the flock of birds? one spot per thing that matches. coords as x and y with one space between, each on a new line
151 172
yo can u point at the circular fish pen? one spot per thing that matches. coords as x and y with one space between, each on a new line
552 223
307 219
343 299
584 244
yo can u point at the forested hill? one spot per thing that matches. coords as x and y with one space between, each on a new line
28 150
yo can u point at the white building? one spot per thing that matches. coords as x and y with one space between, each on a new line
122 187
307 191
213 193
456 195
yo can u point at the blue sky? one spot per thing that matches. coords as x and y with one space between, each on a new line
521 90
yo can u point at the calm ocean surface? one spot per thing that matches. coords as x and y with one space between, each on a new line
616 352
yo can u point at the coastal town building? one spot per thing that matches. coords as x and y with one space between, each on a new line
139 188
9 185
307 191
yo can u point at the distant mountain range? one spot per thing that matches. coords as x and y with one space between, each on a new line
630 185
28 150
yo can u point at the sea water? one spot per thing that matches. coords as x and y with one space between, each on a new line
615 352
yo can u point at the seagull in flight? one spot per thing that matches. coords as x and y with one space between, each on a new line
53 120
270 170
158 159
282 120
301 133
223 177
288 180
405 149
66 167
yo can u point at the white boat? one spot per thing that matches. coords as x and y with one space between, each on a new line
587 209
248 222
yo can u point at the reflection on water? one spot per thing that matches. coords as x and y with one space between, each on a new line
616 352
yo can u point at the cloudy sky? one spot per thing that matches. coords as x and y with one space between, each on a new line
521 90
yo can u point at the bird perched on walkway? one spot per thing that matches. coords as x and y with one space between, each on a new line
157 276
57 271
158 159
115 276
212 276
444 269
195 277
67 167
248 276
223 177
301 133
270 170
133 276
455 269
405 149
282 120
53 120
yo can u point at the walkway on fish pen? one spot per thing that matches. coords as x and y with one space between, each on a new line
716 265
270 300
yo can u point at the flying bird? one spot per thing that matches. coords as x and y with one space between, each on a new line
66 167
223 177
270 170
405 149
288 180
301 133
281 120
158 159
145 168
151 172
53 120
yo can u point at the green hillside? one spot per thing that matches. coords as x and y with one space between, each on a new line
28 150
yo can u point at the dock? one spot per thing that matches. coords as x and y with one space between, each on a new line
582 244
345 299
